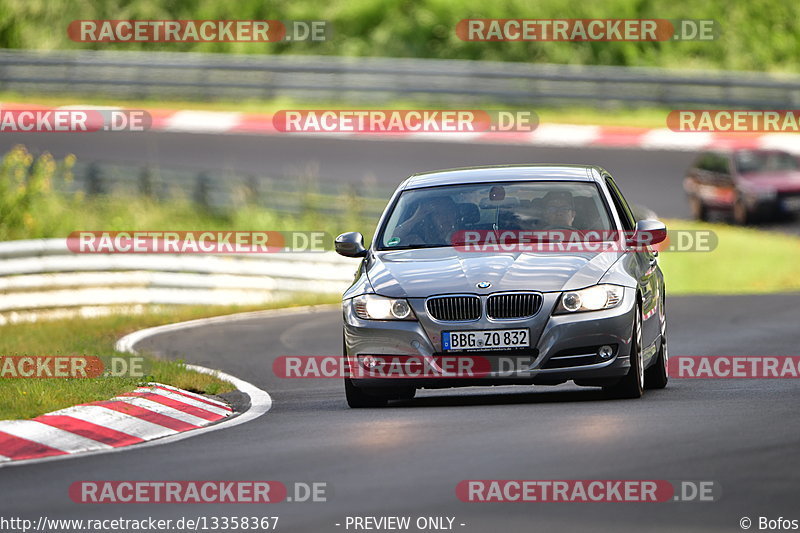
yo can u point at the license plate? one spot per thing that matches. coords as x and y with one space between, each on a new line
792 204
489 339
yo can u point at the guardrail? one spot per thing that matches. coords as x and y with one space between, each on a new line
295 194
43 274
165 75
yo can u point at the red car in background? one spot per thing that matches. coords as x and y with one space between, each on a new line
750 185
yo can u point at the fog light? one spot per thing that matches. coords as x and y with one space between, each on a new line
368 362
605 352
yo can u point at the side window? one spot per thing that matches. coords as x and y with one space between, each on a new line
712 162
625 213
705 162
721 164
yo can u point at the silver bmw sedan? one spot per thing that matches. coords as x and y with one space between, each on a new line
505 275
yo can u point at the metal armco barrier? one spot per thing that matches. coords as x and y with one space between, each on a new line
185 76
44 274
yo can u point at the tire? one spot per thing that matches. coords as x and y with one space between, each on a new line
657 376
741 215
699 209
406 393
632 385
358 399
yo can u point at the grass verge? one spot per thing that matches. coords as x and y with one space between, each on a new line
27 398
745 261
643 117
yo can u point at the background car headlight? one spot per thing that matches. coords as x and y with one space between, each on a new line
374 307
591 299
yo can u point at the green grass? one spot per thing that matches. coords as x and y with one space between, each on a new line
746 261
27 398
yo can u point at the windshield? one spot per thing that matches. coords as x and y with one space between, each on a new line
428 218
765 162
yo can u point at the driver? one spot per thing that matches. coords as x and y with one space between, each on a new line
559 210
433 223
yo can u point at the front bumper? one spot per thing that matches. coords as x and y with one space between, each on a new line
781 203
563 347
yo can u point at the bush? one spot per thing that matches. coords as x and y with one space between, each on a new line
26 195
761 35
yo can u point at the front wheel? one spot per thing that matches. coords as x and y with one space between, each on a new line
741 215
699 209
632 385
656 377
358 399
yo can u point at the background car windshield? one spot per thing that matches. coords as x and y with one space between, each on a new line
765 162
425 218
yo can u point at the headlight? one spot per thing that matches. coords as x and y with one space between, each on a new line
374 307
760 193
590 299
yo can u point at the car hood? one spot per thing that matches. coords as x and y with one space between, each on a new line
425 272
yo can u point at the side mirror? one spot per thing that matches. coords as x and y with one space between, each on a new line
647 232
350 244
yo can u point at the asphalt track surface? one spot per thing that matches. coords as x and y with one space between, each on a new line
408 458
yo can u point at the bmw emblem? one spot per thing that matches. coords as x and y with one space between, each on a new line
483 285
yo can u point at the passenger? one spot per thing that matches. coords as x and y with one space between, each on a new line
559 210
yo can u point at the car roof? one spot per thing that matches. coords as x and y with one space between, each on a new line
494 173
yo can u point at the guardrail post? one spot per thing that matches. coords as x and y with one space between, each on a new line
94 180
146 183
252 190
202 190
